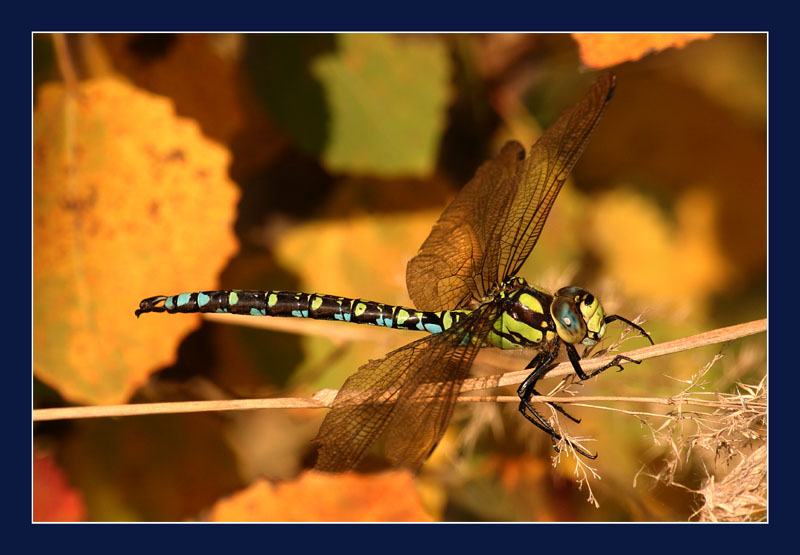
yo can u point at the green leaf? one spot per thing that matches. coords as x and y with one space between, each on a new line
387 98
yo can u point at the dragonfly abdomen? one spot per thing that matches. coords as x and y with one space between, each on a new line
304 305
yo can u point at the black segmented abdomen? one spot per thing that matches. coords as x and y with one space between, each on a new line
303 305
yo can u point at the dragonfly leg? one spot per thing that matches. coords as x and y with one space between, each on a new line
640 329
541 364
539 422
575 359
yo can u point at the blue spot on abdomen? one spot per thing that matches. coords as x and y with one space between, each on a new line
433 328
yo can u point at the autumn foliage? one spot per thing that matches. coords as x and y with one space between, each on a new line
319 497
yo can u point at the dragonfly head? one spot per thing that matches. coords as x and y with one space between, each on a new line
578 316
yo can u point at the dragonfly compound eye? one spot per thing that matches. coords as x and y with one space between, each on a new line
568 320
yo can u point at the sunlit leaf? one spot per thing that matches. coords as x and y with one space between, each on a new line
129 201
320 497
362 257
608 49
680 266
357 256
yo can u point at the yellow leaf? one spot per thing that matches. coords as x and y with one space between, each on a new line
129 201
360 257
680 264
357 256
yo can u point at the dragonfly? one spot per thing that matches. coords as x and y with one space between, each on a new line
464 285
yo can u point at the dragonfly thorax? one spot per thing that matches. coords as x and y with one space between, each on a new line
525 318
532 316
578 316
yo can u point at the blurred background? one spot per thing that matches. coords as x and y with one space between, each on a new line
320 162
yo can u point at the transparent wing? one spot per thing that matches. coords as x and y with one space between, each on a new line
409 394
448 271
490 228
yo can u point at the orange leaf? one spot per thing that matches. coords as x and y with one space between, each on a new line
129 201
608 49
320 497
53 499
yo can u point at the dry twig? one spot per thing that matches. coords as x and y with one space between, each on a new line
324 397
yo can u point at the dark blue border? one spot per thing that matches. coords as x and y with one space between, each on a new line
405 16
422 17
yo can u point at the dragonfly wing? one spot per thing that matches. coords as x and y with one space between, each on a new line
447 272
546 169
487 232
419 423
410 393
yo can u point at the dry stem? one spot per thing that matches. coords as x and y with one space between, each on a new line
324 397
